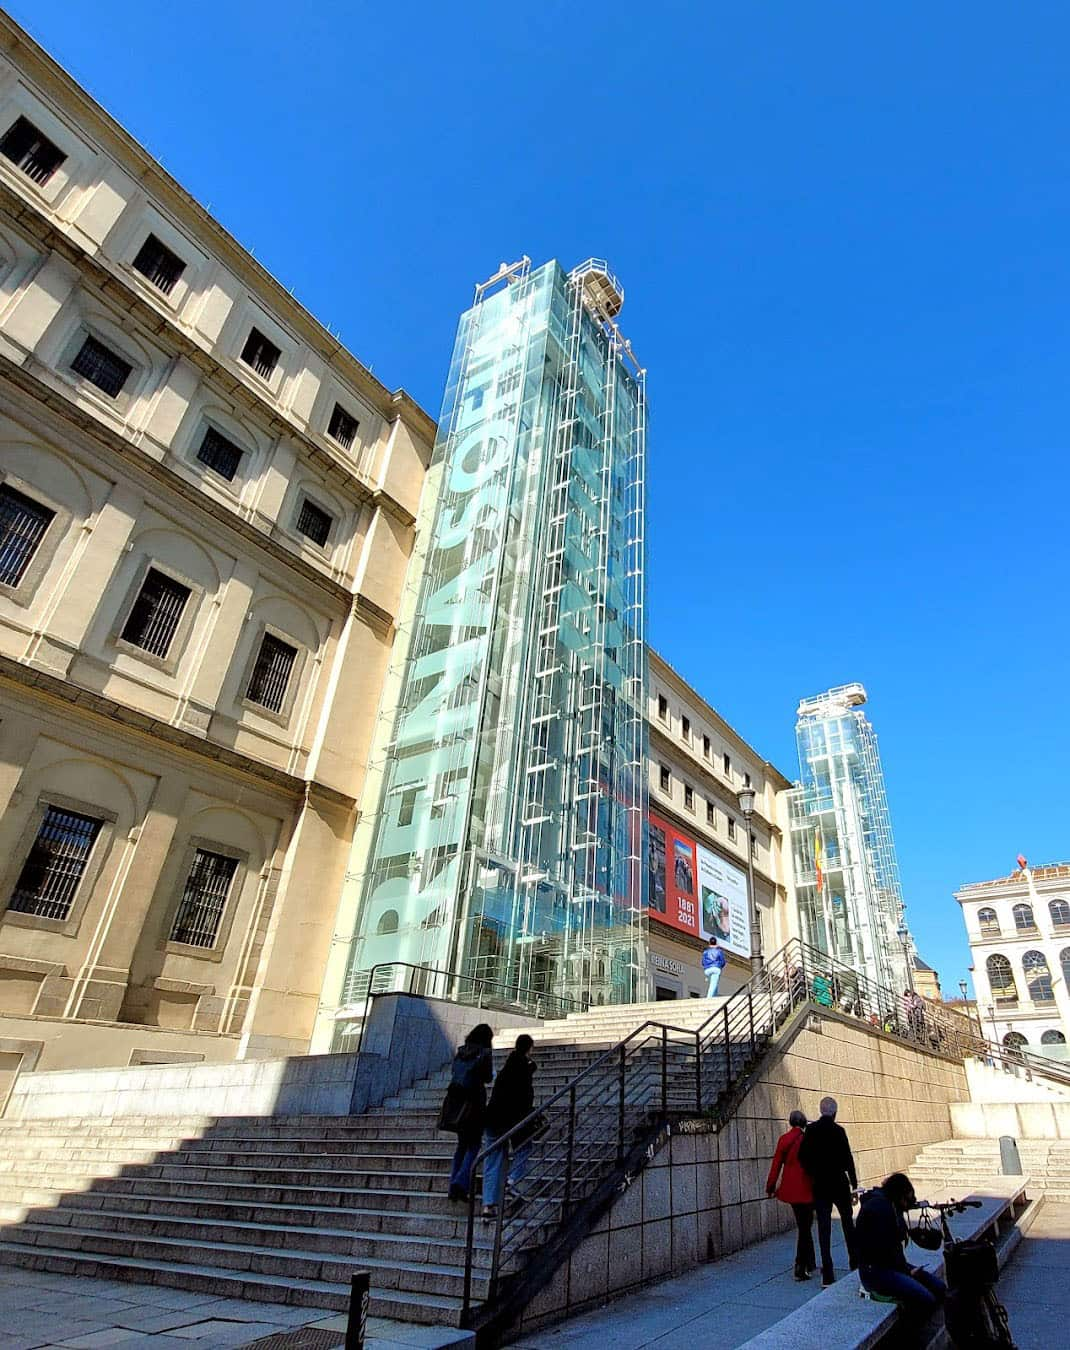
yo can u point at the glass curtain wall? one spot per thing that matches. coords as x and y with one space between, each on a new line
847 877
506 842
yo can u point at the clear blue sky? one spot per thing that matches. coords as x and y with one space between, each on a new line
844 234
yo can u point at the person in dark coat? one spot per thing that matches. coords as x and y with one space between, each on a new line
794 1189
826 1157
464 1109
880 1236
511 1099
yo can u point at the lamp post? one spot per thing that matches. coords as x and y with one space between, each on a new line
964 991
903 934
746 805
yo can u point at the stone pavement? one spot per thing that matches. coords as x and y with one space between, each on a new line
1034 1287
724 1304
38 1309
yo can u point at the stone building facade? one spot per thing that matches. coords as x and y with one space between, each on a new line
697 765
207 507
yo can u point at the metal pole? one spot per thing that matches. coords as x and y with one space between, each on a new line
357 1321
756 958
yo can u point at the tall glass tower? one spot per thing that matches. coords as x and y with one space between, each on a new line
506 841
847 878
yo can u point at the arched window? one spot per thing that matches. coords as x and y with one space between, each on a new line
1037 977
1001 978
388 923
1064 961
1060 913
1053 1038
1023 918
1014 1040
989 922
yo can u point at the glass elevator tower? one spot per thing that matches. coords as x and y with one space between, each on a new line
504 837
847 877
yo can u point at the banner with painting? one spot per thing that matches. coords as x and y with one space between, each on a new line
693 890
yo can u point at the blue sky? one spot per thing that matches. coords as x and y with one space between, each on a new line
843 235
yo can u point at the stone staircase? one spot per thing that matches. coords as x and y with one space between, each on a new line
963 1164
286 1209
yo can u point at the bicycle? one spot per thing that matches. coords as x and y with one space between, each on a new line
973 1315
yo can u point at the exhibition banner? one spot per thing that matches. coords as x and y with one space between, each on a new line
694 890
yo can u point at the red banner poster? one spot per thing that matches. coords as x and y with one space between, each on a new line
672 869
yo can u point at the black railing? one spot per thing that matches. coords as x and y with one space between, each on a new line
591 1125
403 977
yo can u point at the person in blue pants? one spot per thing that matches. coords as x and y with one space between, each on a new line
880 1236
512 1098
713 962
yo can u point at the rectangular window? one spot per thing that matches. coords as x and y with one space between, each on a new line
342 426
685 728
154 618
271 674
23 523
665 778
56 863
731 828
260 353
711 814
663 707
31 151
204 899
753 846
102 367
706 746
314 523
220 454
158 265
689 798
728 766
746 780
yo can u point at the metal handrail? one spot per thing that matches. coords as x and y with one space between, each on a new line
539 997
643 1079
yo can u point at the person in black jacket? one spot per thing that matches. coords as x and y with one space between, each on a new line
880 1236
464 1109
511 1099
825 1155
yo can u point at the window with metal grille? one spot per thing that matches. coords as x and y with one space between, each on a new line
731 828
663 707
154 617
23 523
260 353
158 264
313 522
102 367
689 798
56 863
220 454
271 674
711 814
664 778
204 899
342 426
31 151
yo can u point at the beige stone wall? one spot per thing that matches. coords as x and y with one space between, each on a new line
166 748
703 1194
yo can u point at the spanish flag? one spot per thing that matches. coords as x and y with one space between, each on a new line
819 858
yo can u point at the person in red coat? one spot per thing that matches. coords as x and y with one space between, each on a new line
795 1190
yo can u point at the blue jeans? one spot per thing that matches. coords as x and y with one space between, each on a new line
713 979
464 1155
494 1166
919 1292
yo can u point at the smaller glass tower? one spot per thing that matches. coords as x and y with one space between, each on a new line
847 878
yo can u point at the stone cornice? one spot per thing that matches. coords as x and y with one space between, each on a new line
130 719
135 160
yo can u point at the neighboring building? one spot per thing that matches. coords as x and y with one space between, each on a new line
206 512
926 980
846 875
1018 928
697 845
502 840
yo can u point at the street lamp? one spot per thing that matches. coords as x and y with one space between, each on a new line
746 805
903 934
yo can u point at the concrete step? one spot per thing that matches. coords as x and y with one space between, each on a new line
428 1309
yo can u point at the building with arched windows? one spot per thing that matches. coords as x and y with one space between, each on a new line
1019 933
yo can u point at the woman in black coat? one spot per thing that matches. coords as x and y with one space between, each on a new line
511 1099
